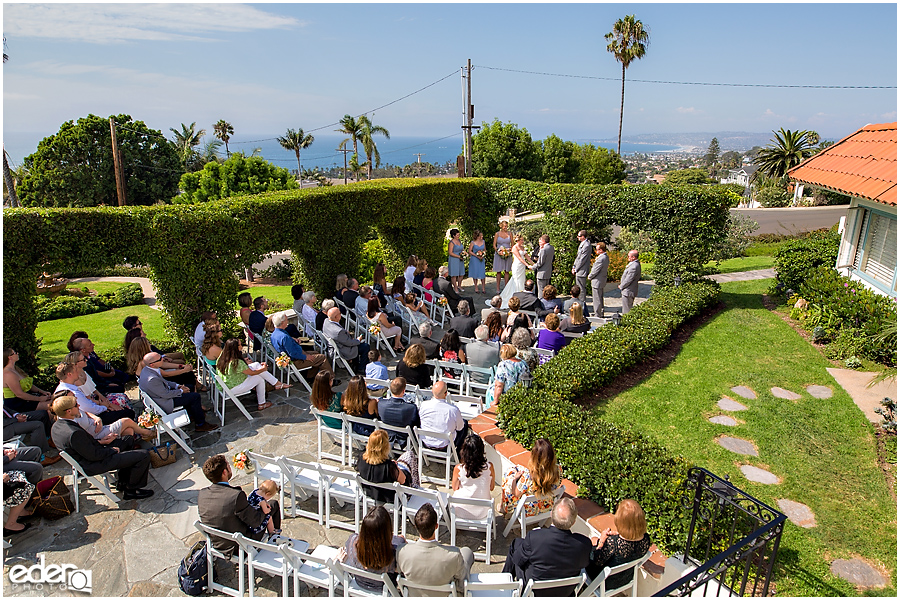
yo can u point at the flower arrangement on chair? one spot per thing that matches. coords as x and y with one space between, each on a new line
442 301
242 461
283 360
374 329
149 419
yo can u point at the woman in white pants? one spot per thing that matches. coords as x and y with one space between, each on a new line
241 377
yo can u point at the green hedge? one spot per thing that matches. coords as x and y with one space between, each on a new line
610 463
796 260
194 251
63 307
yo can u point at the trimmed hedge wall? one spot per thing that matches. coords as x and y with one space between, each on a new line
798 259
610 463
194 251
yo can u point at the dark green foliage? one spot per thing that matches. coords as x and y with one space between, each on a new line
507 151
688 177
63 307
610 463
74 168
772 197
794 261
237 176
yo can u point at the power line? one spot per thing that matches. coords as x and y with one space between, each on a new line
752 85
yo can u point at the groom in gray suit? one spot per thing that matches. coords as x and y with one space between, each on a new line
543 267
581 267
597 277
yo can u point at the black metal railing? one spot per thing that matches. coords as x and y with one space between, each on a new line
732 540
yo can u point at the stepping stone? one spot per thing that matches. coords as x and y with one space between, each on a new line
744 392
738 445
799 514
723 420
727 403
759 475
819 391
858 572
784 394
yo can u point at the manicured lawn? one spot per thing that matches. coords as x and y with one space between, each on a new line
105 329
824 450
98 286
744 263
280 293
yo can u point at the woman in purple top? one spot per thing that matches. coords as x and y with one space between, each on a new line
550 338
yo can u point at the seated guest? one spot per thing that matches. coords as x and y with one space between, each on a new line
16 423
432 348
613 548
574 292
324 398
428 562
242 377
510 370
322 316
494 323
443 286
26 459
514 306
398 288
411 268
226 508
395 410
297 293
412 367
245 301
351 294
549 300
133 466
86 384
496 303
576 323
376 369
473 478
176 358
419 274
376 317
482 354
107 433
257 321
522 340
340 286
17 492
20 395
521 321
179 373
419 314
439 414
283 342
463 323
200 331
375 466
550 338
107 378
540 479
553 552
379 284
352 349
169 395
357 403
452 351
528 300
428 277
133 323
309 312
109 412
362 301
374 549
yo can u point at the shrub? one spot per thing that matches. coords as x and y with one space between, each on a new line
617 263
634 240
372 254
795 261
282 270
610 463
64 307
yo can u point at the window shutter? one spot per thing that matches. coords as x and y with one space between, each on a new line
861 240
881 251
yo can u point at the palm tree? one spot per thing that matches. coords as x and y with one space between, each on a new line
352 127
786 151
355 166
186 140
628 42
224 131
367 131
209 152
296 141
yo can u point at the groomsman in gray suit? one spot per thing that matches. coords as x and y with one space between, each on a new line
543 267
597 277
581 267
629 283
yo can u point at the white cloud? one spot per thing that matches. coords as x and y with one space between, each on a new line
113 23
889 115
688 110
770 114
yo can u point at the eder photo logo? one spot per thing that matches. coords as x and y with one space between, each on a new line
50 577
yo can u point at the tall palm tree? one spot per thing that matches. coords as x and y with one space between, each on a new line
351 126
186 140
367 131
786 151
296 141
224 131
355 166
628 42
209 152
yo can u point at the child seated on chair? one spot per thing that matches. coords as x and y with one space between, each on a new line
263 494
376 370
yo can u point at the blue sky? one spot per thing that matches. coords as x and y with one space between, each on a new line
266 67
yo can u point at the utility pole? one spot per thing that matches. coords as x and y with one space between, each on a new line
117 163
470 115
345 151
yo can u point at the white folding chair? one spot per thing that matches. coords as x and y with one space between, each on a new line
249 337
306 482
285 374
347 575
469 406
547 584
398 444
543 355
266 557
211 553
597 587
170 423
78 475
383 384
429 304
463 522
478 380
337 358
520 518
572 335
412 499
492 585
344 488
311 568
447 454
349 315
226 394
409 322
380 338
408 588
455 384
443 310
268 467
395 506
356 441
338 435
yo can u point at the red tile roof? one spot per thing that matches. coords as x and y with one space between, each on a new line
863 164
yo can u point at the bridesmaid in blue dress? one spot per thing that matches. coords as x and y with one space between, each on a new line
455 261
476 264
502 266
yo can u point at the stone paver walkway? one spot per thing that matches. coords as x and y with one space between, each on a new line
866 398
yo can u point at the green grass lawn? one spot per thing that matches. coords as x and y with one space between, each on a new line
824 450
744 263
105 329
98 286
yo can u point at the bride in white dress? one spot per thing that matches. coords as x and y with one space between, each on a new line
521 261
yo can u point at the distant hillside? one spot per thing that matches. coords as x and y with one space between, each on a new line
728 140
